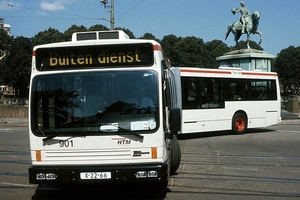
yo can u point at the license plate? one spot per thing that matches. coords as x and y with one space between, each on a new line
95 175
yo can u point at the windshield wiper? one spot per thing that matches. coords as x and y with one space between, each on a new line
50 137
132 133
114 127
60 132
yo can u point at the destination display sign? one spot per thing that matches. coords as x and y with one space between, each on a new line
94 56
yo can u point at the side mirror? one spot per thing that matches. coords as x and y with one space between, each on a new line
175 120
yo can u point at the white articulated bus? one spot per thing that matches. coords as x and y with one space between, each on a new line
228 99
107 108
101 110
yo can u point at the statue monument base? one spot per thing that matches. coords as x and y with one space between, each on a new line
247 59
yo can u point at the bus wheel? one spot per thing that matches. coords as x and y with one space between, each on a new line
239 123
175 155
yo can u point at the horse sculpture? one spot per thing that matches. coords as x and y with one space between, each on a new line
250 27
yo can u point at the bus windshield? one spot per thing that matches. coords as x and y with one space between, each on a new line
105 102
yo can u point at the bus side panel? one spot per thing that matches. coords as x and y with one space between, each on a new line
204 120
272 118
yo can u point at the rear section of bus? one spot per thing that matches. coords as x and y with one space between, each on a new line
228 99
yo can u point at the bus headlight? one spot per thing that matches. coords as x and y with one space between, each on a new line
45 176
152 174
50 176
146 174
141 174
41 176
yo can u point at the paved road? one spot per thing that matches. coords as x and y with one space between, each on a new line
262 164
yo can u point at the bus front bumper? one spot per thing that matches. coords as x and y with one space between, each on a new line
98 174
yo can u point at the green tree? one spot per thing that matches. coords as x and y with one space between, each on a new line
169 44
149 36
193 52
215 48
287 65
48 36
98 27
127 31
243 45
5 44
67 35
18 61
5 40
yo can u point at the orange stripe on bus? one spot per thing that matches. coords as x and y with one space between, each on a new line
204 71
227 72
259 73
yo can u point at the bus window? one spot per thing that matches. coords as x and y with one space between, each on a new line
263 90
91 99
189 93
238 90
272 95
259 90
202 93
212 95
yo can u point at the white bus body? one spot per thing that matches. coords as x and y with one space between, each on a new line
86 123
228 99
82 127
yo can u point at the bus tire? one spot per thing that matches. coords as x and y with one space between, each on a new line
239 123
175 155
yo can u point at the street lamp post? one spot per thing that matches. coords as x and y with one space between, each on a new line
111 10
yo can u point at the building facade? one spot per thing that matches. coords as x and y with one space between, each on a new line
5 26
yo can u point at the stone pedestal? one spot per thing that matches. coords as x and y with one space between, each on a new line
293 105
247 59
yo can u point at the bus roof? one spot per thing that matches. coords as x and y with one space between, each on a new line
99 35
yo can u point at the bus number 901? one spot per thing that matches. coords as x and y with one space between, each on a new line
65 143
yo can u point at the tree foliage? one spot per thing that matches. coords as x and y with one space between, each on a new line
149 36
5 40
48 36
182 51
169 44
98 27
67 36
17 61
127 31
192 51
215 48
243 45
287 65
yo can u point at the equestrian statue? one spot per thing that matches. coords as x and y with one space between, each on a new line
246 25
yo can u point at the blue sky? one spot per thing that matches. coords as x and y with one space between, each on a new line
206 19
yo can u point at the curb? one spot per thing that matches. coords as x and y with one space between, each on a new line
13 121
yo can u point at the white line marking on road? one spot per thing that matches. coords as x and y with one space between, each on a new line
9 129
16 184
235 168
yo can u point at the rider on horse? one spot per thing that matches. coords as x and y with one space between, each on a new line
247 24
245 14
